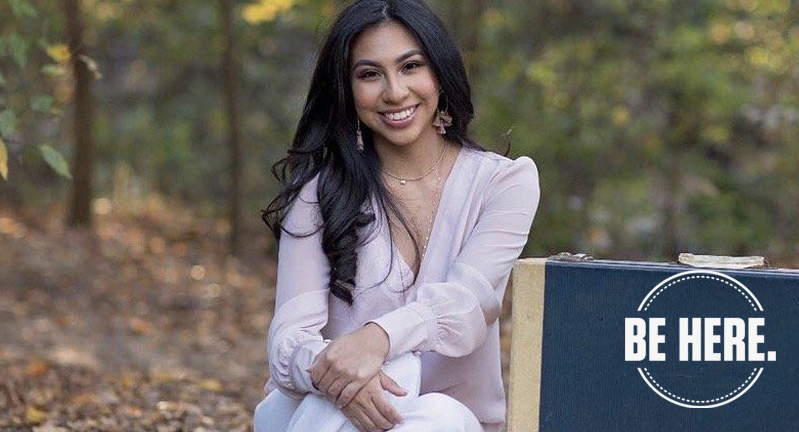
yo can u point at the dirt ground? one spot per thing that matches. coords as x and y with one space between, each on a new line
143 324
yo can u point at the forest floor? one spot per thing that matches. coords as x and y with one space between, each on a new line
143 324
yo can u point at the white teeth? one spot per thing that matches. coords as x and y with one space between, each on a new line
402 115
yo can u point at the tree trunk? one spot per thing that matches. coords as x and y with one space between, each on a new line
230 82
83 157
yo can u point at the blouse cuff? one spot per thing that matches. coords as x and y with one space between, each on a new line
302 360
289 367
409 328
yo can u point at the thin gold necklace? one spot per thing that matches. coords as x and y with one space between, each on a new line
436 197
430 221
402 181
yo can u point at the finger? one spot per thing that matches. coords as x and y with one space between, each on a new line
355 422
358 425
386 409
348 393
391 386
352 418
367 425
319 368
319 371
377 418
327 380
335 389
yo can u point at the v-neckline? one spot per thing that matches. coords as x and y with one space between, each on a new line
433 230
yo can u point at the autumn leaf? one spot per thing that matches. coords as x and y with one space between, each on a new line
35 416
36 368
265 10
139 326
59 53
3 160
211 385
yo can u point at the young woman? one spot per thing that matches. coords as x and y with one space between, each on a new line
398 237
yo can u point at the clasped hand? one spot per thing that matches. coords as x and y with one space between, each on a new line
348 372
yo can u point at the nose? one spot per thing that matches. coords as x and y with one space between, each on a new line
395 90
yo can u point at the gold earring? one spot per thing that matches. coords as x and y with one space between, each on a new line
359 140
442 121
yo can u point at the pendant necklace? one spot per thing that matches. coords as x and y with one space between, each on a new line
402 181
434 201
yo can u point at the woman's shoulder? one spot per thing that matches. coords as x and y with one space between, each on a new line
496 168
303 213
506 183
309 191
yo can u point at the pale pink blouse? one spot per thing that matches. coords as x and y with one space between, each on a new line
449 316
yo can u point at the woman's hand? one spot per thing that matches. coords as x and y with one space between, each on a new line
349 362
369 410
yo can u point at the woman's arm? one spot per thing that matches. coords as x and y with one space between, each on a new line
453 317
301 311
301 302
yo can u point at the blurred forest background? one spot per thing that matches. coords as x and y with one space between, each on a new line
137 137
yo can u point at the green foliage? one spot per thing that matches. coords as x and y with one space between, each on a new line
668 98
26 97
18 47
22 9
652 122
55 160
43 103
8 122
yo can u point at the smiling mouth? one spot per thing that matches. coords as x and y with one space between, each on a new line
400 116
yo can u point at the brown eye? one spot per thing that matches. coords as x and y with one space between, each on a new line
368 74
413 65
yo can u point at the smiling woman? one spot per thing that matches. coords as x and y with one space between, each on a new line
395 92
402 232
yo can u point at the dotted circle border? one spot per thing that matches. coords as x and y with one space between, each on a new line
674 282
700 401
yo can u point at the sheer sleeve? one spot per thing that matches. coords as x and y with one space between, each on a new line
301 301
452 317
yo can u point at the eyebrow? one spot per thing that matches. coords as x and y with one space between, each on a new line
399 59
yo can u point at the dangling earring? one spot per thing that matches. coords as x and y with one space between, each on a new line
359 141
442 119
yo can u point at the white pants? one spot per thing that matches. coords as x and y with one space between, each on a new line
429 412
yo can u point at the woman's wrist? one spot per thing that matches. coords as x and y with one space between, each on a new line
380 336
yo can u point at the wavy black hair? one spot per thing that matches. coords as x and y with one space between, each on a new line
324 142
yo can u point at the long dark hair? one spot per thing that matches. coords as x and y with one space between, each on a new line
324 143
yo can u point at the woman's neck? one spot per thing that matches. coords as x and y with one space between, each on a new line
412 160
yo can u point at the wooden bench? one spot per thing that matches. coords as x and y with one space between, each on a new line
524 390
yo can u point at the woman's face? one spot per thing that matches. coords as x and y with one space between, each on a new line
394 88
